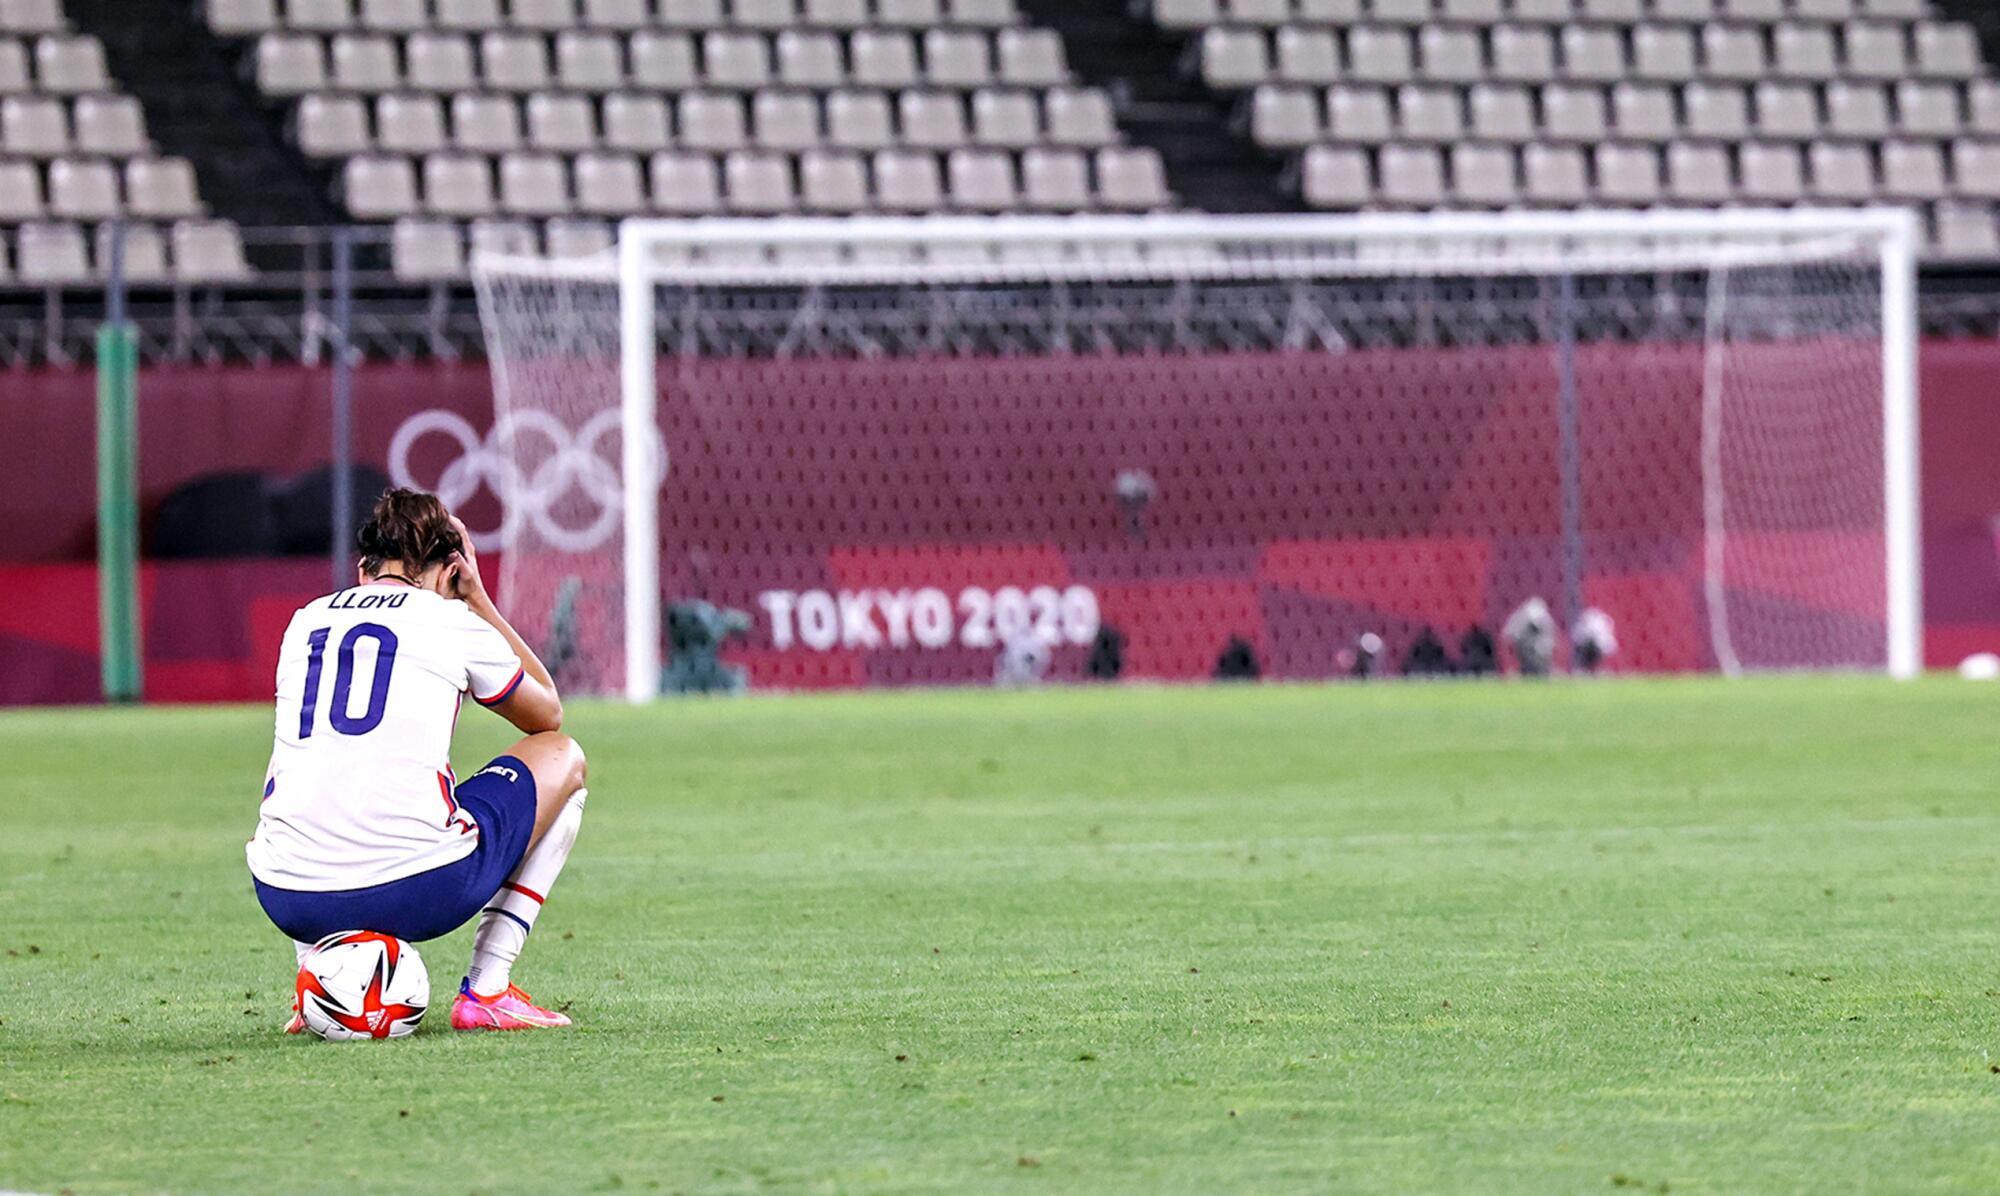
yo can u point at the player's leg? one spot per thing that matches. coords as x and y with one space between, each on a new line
489 999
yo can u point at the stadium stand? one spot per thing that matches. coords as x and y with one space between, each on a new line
546 119
1488 104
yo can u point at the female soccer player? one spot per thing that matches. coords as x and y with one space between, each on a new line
363 825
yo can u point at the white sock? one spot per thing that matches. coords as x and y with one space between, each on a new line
504 924
301 949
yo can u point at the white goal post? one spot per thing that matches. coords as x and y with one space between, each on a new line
1790 335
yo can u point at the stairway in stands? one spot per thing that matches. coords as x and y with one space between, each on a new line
199 108
1209 166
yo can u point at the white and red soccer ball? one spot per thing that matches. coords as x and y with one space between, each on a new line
360 984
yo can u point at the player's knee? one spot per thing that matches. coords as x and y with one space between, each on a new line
579 766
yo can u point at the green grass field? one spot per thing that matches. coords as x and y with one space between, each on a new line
1669 936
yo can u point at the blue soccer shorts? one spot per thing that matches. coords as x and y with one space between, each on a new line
501 800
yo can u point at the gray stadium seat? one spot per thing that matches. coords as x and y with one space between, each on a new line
1284 117
1573 113
1359 114
832 182
1859 110
930 119
52 254
1234 58
1947 50
908 181
1896 10
684 184
1754 11
410 124
1451 55
544 16
692 14
784 120
1523 54
1618 12
1412 176
1031 57
1975 168
859 120
13 67
1485 176
577 238
161 189
534 184
1131 178
1770 173
1643 112
1699 174
1663 52
1267 13
111 124
638 123
144 252
1336 177
1329 12
883 58
1187 14
984 14
473 16
394 16
1555 175
560 122
609 184
1716 111
1915 171
287 64
208 251
1841 172
34 126
1627 174
513 61
319 16
1811 10
627 16
957 58
1804 52
378 187
1377 55
366 62
1966 231
1597 53
519 238
241 18
1307 56
1787 111
1874 51
764 14
1055 180
1400 12
908 14
332 126
735 60
981 180
84 189
1733 52
587 61
1982 107
485 124
1502 113
1432 114
837 14
20 192
1925 109
809 58
712 121
440 62
663 60
458 185
1008 118
1472 12
424 250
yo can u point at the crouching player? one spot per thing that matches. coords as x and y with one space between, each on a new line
363 826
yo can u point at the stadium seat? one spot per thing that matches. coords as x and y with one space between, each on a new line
208 251
1234 58
1663 52
1617 12
784 120
84 189
1329 12
620 15
1502 113
1055 180
516 62
394 16
1412 176
1484 176
1031 58
1376 55
859 120
1132 178
1643 112
663 61
1284 117
587 61
1336 177
426 251
1788 111
637 123
51 254
333 126
1982 106
289 64
1472 12
1716 111
319 16
1975 168
1770 173
544 16
13 67
684 184
609 184
34 126
734 60
1873 51
1966 231
1573 113
577 238
1267 13
1627 174
561 123
907 181
240 18
1400 12
366 63
809 58
836 14
457 184
1431 114
1858 110
379 187
413 124
1805 52
1840 172
515 237
1914 170
1187 14
1733 52
534 184
113 125
832 182
883 58
1597 53
1008 118
1699 174
712 121
1947 51
1451 55
20 192
1306 56
957 58
1555 175
1359 114
763 14
161 189
984 14
1523 54
931 120
691 14
981 180
472 16
143 257
1926 109
908 14
440 62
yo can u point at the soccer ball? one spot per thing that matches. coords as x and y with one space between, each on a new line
360 984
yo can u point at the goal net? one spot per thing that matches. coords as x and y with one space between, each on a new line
941 451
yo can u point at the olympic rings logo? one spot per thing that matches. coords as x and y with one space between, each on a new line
566 462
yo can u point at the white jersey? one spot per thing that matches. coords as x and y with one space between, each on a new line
369 685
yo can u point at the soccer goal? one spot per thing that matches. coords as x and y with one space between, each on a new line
1152 446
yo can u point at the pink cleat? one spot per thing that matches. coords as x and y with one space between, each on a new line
511 1010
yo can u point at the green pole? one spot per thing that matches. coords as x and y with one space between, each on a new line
118 509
